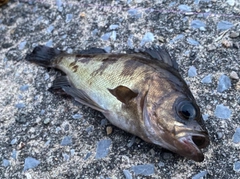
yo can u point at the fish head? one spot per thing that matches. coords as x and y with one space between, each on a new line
173 121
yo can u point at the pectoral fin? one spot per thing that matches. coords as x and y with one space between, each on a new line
78 94
123 93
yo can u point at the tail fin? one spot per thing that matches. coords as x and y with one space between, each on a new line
42 55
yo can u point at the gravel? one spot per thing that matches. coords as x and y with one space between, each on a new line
30 163
46 135
222 112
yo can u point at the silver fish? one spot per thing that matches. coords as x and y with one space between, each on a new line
141 93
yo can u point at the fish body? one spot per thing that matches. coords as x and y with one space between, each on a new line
141 93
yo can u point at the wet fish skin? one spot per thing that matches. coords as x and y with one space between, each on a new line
141 93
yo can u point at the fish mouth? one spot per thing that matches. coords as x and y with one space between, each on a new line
191 143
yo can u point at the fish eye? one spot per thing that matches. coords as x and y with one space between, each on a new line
186 110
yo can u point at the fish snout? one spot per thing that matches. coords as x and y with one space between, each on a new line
191 143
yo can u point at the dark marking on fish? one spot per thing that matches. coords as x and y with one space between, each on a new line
75 68
72 64
130 66
106 61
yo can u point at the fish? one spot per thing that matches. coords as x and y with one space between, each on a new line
140 92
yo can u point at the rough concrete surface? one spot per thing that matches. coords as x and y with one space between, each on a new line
45 135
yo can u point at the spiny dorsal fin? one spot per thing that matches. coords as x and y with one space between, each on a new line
123 93
161 53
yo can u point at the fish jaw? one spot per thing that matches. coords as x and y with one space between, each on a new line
190 144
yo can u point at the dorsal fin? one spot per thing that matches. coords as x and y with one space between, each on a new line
161 53
123 93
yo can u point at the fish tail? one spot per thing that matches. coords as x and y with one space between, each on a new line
43 55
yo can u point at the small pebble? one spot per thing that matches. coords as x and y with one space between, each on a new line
184 7
200 175
106 36
69 50
89 129
134 13
234 34
113 35
236 166
42 112
148 37
103 148
46 121
236 136
30 163
127 174
207 79
238 86
224 25
104 122
67 140
94 32
14 141
77 116
24 88
108 49
113 26
58 129
50 29
192 71
68 18
197 24
65 157
82 14
14 154
234 75
130 42
219 135
205 117
191 41
226 43
145 170
177 38
132 141
222 112
59 5
161 164
88 155
21 46
20 105
49 43
47 143
109 130
5 163
72 152
211 47
231 2
224 83
46 76
21 145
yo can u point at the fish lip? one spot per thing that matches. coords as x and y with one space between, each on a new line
193 141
